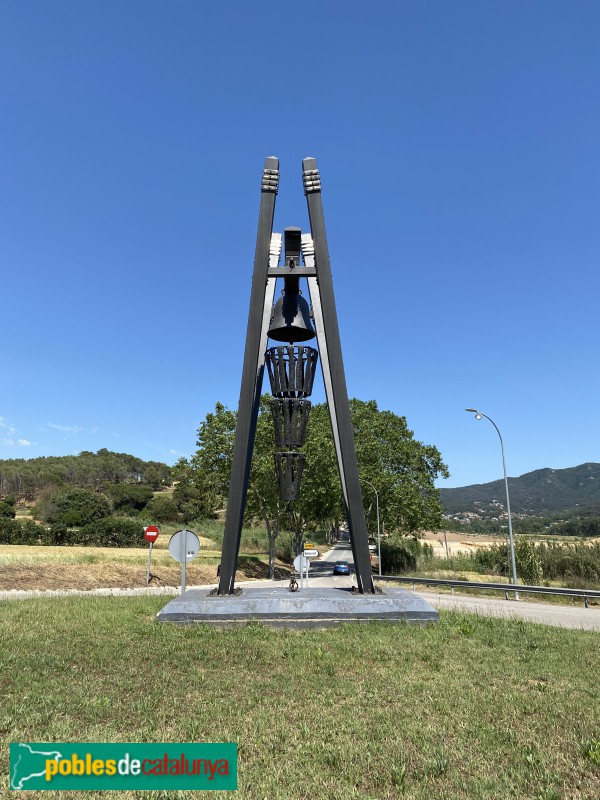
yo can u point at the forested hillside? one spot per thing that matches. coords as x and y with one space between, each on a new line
538 493
24 479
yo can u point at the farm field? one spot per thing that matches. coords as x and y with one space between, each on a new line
85 568
464 543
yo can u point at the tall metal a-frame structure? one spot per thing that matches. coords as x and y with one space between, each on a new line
317 270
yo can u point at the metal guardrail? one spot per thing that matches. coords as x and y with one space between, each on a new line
586 594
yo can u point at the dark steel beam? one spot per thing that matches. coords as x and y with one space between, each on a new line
252 377
335 378
300 272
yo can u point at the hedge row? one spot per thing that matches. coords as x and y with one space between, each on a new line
108 532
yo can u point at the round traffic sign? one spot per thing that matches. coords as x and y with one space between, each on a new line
184 546
151 533
301 564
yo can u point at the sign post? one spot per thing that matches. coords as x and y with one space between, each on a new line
184 546
150 535
302 565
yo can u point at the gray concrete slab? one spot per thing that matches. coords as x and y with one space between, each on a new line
312 607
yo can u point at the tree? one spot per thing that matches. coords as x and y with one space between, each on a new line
7 510
162 508
129 497
77 507
205 477
26 478
401 468
263 493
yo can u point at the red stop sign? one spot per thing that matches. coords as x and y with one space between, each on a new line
151 533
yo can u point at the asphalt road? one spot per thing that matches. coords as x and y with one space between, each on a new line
544 613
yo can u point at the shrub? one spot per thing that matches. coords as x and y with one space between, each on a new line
129 497
77 507
60 533
111 532
529 563
284 551
550 561
7 511
163 508
402 554
14 531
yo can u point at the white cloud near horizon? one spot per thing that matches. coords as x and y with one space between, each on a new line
65 428
9 427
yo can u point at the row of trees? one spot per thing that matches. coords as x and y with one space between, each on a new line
584 526
401 468
588 526
25 479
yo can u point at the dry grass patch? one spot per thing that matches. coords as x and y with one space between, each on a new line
105 575
38 568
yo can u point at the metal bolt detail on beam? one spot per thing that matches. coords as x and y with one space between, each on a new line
270 180
312 181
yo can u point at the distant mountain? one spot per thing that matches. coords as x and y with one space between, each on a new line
539 493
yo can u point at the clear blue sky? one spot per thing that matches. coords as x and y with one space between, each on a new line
459 146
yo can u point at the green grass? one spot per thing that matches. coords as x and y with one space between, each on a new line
471 708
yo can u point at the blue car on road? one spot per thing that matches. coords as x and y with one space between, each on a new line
341 568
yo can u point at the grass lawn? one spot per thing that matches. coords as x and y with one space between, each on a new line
469 708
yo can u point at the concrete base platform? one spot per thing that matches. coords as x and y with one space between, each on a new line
278 607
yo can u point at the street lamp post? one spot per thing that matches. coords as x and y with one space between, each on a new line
479 415
362 480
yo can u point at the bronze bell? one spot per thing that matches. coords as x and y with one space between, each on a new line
291 319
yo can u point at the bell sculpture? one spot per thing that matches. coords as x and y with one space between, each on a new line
291 318
290 321
291 373
291 364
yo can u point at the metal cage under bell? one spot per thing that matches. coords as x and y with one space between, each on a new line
289 475
290 417
291 370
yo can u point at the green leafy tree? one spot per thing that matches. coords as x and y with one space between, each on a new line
205 477
401 468
262 500
129 497
162 508
7 510
77 507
